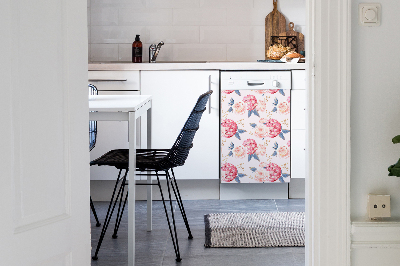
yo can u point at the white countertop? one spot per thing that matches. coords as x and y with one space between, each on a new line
196 66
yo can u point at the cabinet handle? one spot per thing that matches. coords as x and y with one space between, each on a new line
99 80
209 99
254 83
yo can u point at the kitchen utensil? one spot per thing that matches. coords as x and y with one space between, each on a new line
300 37
275 23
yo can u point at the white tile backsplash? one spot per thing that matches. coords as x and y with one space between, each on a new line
103 52
199 16
145 17
192 30
104 16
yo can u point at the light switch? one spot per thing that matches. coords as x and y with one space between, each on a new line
369 14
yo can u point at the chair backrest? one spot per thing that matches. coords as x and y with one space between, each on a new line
92 124
180 150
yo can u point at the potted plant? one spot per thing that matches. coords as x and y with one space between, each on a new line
394 170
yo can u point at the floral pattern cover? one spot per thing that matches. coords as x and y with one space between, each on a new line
255 136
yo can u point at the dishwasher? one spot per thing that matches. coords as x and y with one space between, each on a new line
255 126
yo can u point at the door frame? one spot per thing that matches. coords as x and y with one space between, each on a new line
328 52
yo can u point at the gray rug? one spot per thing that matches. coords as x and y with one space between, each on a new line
271 229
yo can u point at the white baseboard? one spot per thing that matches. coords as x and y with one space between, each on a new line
101 190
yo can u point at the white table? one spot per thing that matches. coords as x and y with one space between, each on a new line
127 108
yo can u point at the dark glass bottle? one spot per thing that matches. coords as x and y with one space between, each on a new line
137 50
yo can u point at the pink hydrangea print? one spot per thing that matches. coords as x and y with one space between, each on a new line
229 172
283 152
273 91
239 152
288 99
260 176
274 127
288 143
250 101
229 128
261 131
250 145
239 108
261 91
227 91
273 172
261 149
261 105
283 108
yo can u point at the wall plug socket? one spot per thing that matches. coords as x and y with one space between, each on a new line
378 206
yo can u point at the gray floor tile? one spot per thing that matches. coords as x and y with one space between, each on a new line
155 248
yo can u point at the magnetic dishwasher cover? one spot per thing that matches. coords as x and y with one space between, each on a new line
255 126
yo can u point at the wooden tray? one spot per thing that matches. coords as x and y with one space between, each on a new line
275 23
299 37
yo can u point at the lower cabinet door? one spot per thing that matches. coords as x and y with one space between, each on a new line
174 96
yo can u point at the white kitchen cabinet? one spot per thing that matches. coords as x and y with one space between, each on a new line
174 96
298 118
112 134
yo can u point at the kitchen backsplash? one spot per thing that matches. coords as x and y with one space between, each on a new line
193 30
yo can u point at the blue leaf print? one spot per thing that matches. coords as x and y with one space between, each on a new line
231 146
249 157
256 113
253 169
274 110
237 135
230 153
253 125
256 157
241 131
274 154
241 175
275 101
237 92
231 102
285 175
282 92
285 131
237 179
281 180
275 145
249 113
230 109
281 135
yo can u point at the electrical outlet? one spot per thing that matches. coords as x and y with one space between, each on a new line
378 206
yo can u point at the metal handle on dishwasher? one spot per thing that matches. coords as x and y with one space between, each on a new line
254 83
99 80
209 89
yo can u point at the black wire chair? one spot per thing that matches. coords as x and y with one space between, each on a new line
92 143
154 160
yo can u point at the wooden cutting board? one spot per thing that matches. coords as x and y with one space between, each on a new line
275 23
292 32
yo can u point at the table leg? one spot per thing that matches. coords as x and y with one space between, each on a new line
132 190
149 178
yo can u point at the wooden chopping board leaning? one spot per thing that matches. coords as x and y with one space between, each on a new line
299 36
275 23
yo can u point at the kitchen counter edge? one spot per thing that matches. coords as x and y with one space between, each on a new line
195 66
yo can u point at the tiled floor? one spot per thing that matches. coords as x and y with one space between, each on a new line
155 248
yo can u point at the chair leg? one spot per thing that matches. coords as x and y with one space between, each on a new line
120 211
109 213
174 239
180 203
94 213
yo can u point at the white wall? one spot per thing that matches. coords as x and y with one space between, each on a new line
375 119
193 30
375 108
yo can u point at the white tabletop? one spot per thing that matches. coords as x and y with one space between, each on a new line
117 103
